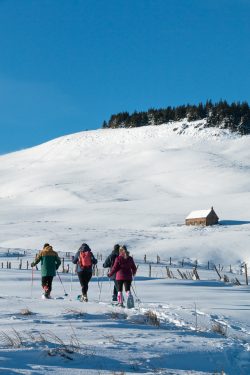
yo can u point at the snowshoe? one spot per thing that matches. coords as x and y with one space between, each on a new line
46 296
120 304
130 302
82 298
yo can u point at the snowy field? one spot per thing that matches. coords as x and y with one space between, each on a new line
134 187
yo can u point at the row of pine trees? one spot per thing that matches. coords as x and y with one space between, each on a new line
235 116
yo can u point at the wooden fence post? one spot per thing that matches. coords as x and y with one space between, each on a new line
149 271
145 258
170 261
246 273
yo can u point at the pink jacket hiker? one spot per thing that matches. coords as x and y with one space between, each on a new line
124 268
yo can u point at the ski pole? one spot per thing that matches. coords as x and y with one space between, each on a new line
134 290
61 283
71 283
32 281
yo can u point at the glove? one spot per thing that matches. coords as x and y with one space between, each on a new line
108 274
32 264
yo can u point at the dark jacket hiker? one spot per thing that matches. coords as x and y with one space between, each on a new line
85 261
109 262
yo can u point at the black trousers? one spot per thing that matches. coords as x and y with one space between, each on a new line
84 278
126 283
47 281
115 291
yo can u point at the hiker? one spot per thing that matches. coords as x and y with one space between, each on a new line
124 268
109 262
50 263
84 259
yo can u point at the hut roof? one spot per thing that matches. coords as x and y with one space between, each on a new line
201 214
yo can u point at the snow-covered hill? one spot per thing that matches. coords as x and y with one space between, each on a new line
133 186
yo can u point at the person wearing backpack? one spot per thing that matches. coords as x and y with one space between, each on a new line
50 263
85 261
109 262
124 268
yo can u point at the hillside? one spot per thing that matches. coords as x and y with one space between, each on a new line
133 186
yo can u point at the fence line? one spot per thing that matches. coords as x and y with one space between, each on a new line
192 273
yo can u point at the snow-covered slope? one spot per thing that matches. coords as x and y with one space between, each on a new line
133 186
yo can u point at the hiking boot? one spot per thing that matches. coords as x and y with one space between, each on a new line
114 298
46 291
84 298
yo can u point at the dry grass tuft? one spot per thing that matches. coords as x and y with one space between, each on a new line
152 318
117 315
26 311
219 328
75 312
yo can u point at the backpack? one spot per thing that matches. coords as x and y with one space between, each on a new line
85 259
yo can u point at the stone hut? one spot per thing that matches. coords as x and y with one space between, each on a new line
202 217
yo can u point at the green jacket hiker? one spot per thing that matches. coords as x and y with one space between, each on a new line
50 262
49 259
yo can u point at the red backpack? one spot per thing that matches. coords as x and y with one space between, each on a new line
85 259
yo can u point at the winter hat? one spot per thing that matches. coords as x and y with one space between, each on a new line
124 248
84 247
45 245
116 248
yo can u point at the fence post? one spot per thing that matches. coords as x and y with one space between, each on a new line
246 273
63 265
145 258
27 265
149 271
170 261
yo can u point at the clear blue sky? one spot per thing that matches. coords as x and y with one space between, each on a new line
67 65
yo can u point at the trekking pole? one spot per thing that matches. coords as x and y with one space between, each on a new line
71 284
66 294
135 291
32 282
99 285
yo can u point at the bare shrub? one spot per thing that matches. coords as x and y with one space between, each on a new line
152 318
